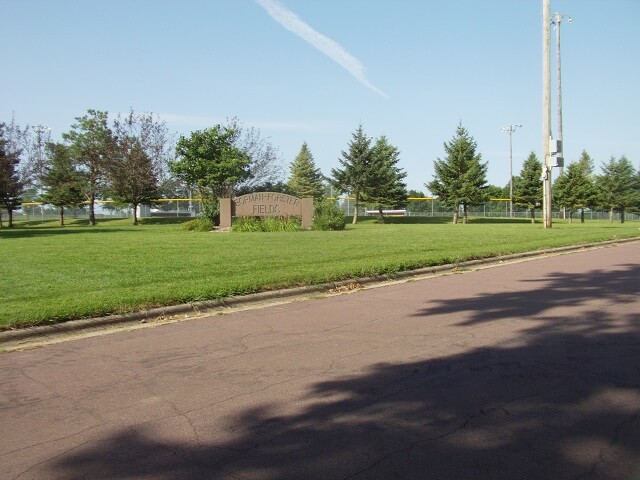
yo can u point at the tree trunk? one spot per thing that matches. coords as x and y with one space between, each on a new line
92 213
355 210
0 218
464 214
533 215
10 215
570 216
135 214
455 215
582 215
380 216
62 216
622 215
611 214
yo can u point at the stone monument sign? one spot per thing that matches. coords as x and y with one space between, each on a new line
266 204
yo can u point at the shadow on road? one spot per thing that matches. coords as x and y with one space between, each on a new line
555 291
560 401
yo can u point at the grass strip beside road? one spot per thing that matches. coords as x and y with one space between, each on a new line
52 274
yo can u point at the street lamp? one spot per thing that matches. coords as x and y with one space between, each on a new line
510 129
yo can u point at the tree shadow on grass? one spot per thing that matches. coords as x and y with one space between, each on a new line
442 220
500 220
174 220
559 401
39 228
32 232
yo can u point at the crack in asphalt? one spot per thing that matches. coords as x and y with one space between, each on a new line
604 450
464 424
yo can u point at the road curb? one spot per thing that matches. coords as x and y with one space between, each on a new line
261 297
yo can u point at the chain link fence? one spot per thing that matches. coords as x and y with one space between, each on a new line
183 207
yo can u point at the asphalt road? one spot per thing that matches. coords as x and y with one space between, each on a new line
525 370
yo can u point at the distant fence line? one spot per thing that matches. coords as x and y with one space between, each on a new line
185 207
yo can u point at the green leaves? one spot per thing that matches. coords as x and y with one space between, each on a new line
64 184
209 161
92 144
527 187
618 186
574 189
385 186
306 178
460 178
370 173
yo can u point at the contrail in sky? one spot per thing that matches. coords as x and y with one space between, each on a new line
330 48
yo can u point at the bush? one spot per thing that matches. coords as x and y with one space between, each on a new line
266 224
198 225
327 216
246 224
281 224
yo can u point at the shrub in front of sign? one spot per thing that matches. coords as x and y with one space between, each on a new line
327 216
201 224
266 224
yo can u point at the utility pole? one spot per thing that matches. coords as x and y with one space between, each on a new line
546 112
557 20
510 129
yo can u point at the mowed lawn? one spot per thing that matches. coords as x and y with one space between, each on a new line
51 274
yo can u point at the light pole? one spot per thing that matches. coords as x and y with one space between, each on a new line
546 112
510 129
557 20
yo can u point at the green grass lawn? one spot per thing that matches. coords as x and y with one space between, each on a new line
51 274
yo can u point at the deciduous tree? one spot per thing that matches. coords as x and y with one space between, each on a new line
11 186
266 165
92 145
34 159
134 168
210 162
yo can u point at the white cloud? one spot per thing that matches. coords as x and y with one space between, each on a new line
329 47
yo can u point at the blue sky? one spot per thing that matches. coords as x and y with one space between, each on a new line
313 70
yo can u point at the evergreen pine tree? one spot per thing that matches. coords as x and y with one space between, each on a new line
63 183
460 178
385 187
305 179
586 163
353 178
617 186
591 198
527 187
574 189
